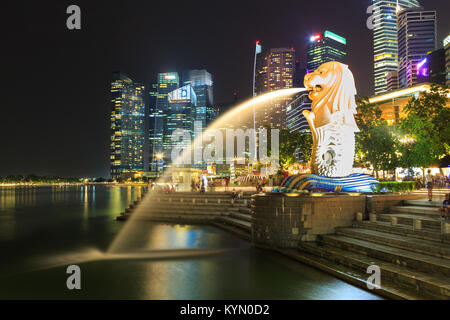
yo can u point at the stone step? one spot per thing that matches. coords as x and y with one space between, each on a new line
244 225
424 211
423 203
241 216
244 234
185 210
245 210
435 191
421 246
191 206
407 283
428 223
404 230
397 256
242 202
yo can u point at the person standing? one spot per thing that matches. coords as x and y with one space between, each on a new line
227 183
429 181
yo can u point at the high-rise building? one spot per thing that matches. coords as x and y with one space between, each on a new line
295 120
178 102
179 115
416 38
432 68
202 84
128 136
385 39
278 69
325 47
167 82
446 44
155 117
392 81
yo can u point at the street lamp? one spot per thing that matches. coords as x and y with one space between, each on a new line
407 142
159 157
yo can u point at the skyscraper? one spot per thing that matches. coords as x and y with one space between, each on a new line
295 120
167 82
278 68
178 102
128 136
155 116
325 47
202 84
416 38
432 68
180 114
446 44
385 39
392 81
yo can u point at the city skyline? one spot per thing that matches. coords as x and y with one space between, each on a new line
77 68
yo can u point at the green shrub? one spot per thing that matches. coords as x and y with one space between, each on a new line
396 186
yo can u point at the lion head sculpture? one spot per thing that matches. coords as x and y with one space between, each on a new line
332 92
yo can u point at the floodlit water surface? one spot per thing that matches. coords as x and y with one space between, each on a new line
44 229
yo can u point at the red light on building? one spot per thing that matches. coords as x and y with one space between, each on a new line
315 37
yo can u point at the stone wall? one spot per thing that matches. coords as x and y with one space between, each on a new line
283 220
382 203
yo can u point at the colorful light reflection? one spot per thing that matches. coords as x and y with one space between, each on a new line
422 68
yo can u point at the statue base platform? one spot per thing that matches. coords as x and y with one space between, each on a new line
312 182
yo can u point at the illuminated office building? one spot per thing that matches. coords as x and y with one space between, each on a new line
416 38
276 71
432 68
167 82
128 136
202 84
295 120
446 43
385 39
179 115
325 47
155 117
392 81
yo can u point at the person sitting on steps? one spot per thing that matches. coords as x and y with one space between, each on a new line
444 210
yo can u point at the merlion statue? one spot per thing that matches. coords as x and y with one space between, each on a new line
332 121
332 92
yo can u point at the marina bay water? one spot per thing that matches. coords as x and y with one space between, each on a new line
44 229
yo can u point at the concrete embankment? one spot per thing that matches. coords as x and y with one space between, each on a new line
403 237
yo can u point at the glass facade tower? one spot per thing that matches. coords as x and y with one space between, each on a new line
167 82
128 134
274 71
385 39
325 47
416 39
202 84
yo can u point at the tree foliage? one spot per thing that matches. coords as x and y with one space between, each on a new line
376 143
427 121
289 143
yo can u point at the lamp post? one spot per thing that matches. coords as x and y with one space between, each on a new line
159 157
407 142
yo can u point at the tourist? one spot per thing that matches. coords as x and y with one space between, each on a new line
429 181
234 194
444 210
227 182
193 186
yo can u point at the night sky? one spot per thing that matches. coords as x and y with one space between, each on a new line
55 93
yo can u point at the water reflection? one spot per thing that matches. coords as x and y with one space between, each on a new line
42 229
